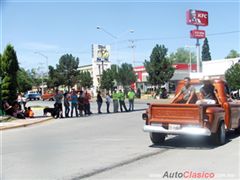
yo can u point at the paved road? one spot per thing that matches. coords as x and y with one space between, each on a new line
108 146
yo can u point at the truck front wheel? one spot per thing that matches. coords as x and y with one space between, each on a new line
157 138
219 137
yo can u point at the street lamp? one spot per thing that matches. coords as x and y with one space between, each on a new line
41 54
39 69
190 57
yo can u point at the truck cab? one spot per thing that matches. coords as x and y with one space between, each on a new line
212 120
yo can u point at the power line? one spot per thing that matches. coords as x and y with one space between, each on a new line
177 37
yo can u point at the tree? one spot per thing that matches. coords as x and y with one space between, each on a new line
68 69
1 72
85 79
114 70
232 76
182 56
232 54
159 67
24 80
66 72
126 75
1 77
206 55
10 68
107 80
55 78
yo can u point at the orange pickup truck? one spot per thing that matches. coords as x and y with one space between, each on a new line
211 120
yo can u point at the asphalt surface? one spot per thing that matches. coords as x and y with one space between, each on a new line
109 146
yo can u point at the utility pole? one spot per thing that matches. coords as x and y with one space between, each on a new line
198 53
132 46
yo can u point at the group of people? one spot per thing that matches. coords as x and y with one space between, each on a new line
78 103
207 94
17 111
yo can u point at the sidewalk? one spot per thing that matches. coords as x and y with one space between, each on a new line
38 118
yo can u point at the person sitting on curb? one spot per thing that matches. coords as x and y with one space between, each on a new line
7 108
29 113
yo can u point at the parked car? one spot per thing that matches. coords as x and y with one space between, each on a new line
48 96
32 95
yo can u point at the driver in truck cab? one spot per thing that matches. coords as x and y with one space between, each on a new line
187 92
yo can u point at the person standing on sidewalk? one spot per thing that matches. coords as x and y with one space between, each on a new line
121 97
99 102
58 103
108 101
81 103
131 96
66 104
115 101
87 107
74 103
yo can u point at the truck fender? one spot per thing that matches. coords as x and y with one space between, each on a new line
227 118
216 115
216 125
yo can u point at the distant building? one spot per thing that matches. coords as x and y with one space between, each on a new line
181 71
217 68
213 68
100 62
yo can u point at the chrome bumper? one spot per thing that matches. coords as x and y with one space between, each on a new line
182 131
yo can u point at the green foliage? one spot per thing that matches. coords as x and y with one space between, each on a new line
232 54
232 76
68 69
114 70
55 79
159 67
107 80
25 81
1 71
182 56
206 55
85 79
126 75
66 72
10 67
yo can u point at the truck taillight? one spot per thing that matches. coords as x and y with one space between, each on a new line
144 116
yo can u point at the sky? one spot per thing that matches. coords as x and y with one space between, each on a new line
42 31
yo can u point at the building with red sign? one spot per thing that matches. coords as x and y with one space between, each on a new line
181 71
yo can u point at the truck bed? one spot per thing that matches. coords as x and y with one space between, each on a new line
175 113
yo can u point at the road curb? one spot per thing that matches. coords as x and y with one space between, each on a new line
25 125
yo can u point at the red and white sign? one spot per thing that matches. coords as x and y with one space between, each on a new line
198 34
196 17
